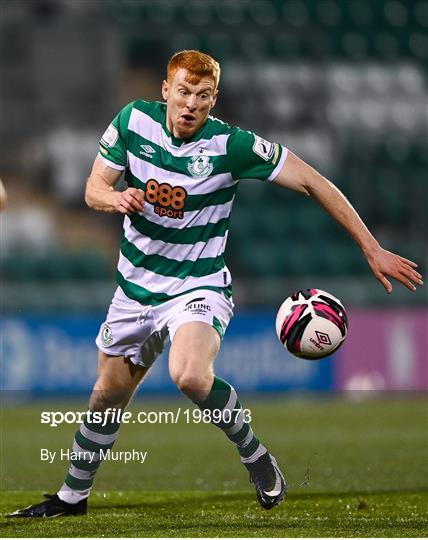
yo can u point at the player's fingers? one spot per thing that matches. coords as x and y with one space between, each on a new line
410 279
408 284
131 203
405 280
409 262
135 197
411 274
136 205
137 202
123 210
417 278
387 284
136 193
125 207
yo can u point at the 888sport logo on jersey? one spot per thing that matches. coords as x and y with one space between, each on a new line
168 201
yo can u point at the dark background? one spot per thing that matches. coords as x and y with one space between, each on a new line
341 83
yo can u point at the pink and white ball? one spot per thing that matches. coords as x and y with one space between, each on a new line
312 324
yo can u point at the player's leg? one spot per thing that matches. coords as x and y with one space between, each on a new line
191 359
191 363
128 345
117 380
194 348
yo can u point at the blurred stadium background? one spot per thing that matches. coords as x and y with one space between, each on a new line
341 83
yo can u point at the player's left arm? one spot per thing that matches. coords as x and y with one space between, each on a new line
299 176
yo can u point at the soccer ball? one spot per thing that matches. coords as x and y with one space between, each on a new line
311 324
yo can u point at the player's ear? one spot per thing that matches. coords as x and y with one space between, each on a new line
165 88
214 98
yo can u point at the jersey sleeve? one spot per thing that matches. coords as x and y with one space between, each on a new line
114 142
254 157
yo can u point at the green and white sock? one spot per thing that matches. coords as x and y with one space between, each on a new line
91 438
223 397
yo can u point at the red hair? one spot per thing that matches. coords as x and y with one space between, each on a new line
198 64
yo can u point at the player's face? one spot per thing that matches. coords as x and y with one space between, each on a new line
188 104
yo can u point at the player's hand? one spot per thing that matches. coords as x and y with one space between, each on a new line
384 263
129 201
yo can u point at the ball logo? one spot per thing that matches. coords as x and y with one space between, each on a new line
200 165
323 338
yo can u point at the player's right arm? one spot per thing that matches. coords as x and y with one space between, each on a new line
299 176
108 167
257 158
101 195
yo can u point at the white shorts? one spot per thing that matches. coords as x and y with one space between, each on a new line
139 332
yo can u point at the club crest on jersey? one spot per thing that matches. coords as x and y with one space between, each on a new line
200 165
106 335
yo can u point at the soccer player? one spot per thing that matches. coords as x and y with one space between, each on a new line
182 168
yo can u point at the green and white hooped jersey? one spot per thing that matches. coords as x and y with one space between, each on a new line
177 243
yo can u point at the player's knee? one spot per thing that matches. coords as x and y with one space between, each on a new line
191 383
103 399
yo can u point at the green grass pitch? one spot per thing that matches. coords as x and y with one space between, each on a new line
354 468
